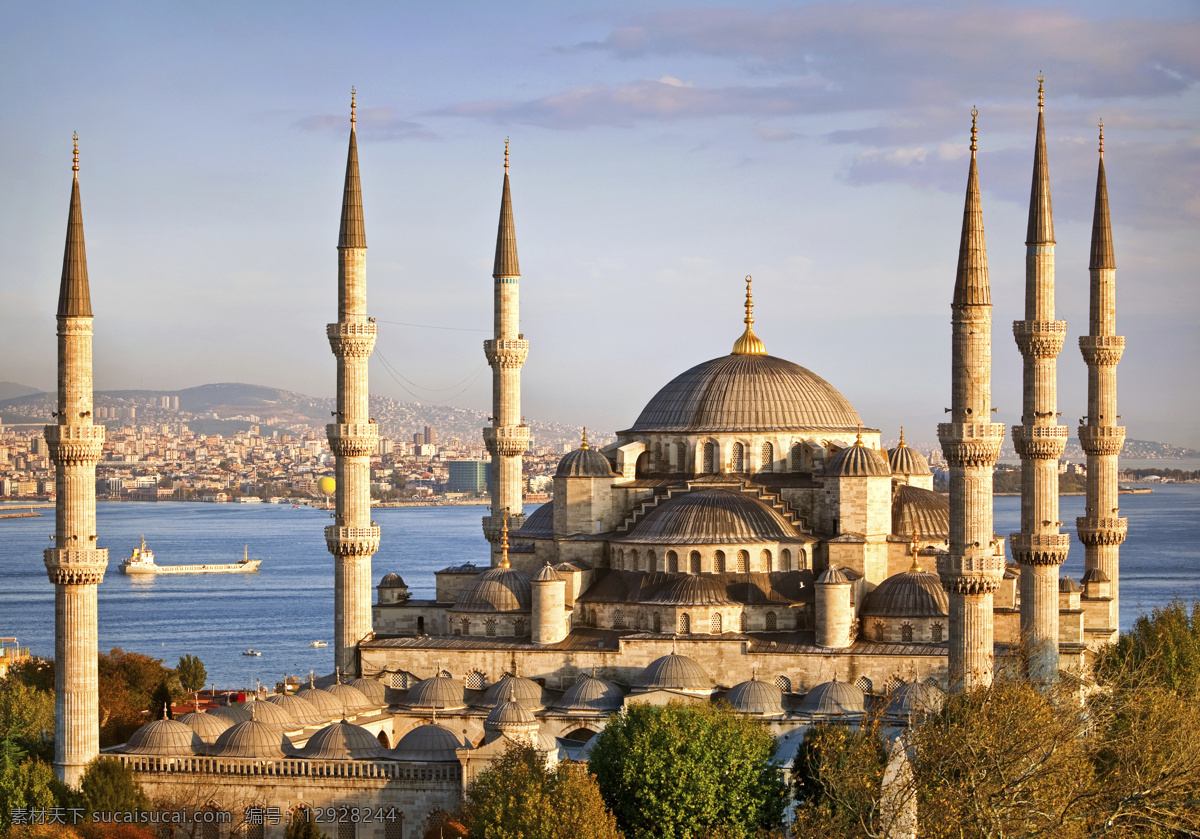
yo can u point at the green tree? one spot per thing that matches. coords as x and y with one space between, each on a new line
837 779
27 717
127 684
680 771
160 702
517 797
109 786
25 783
1162 647
191 673
300 826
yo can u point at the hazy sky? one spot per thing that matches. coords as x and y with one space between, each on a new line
659 154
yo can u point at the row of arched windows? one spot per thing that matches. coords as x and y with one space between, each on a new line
801 457
634 560
489 627
936 631
716 623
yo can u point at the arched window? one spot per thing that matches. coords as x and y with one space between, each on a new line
714 623
475 680
739 457
879 633
681 455
595 621
421 625
743 623
906 633
783 683
651 561
864 684
465 623
618 619
634 561
743 562
256 831
673 562
772 622
685 624
797 458
765 560
621 560
802 556
657 622
935 633
710 458
768 457
394 829
519 627
659 466
694 562
785 560
489 627
892 683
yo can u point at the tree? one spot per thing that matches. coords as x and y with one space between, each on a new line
25 783
302 827
109 786
681 770
1163 647
127 684
191 673
837 780
27 717
517 797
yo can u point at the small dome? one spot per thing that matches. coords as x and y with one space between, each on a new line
526 691
165 738
712 516
906 461
233 713
910 594
1095 575
832 576
831 699
276 715
510 713
692 590
1066 585
584 463
858 461
547 575
392 581
496 590
208 726
438 692
674 672
302 711
352 699
755 697
252 739
343 741
914 697
539 525
429 744
327 705
921 511
592 694
373 689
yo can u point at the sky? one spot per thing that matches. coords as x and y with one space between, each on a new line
660 152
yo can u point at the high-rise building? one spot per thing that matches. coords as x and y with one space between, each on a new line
467 476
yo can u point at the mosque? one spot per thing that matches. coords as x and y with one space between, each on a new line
746 539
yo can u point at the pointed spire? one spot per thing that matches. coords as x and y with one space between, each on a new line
506 264
901 444
1102 244
749 343
74 296
1041 215
584 444
504 542
353 233
916 550
971 284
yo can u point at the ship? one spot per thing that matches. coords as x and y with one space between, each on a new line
141 561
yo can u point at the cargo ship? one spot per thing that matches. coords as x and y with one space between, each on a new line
141 561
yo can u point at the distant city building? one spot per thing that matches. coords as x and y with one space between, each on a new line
467 476
430 436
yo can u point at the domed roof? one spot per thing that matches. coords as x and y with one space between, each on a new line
674 672
1067 585
584 462
540 523
392 580
921 511
208 726
914 697
833 576
712 516
252 739
755 697
526 691
858 461
327 705
302 711
909 594
439 692
429 743
233 713
276 715
352 699
906 461
547 575
692 590
495 590
592 694
834 698
343 741
509 714
747 393
373 689
168 738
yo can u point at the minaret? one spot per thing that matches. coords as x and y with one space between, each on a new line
353 538
1102 531
508 436
1039 440
971 570
75 564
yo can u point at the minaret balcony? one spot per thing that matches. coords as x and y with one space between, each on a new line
76 566
507 441
75 443
352 541
1040 548
1040 442
1040 338
971 443
353 439
507 354
1098 530
352 340
1101 350
979 572
1102 439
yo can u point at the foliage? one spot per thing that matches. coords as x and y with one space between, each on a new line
517 797
191 673
109 786
678 771
27 717
127 685
299 827
25 783
837 779
440 824
1163 648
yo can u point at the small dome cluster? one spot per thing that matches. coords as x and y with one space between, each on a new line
858 461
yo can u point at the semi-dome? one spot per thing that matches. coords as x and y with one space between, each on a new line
343 741
913 698
921 511
430 743
496 590
904 460
392 580
831 699
584 462
252 739
327 705
858 461
592 694
353 700
438 692
539 525
525 691
755 697
909 594
302 711
208 726
712 516
747 393
673 672
373 689
166 738
692 590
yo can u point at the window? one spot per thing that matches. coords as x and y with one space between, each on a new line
785 560
255 831
681 455
803 557
657 622
906 633
618 619
694 561
400 680
673 562
489 627
864 684
634 562
465 623
880 635
743 622
935 633
658 458
651 561
210 830
685 624
783 683
421 625
768 457
710 458
519 627
445 674
743 562
475 680
347 830
621 560
772 620
798 458
764 560
892 683
719 562
394 829
714 623
739 457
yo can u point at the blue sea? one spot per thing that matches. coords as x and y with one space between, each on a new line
289 602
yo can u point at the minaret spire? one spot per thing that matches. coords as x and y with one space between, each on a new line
1039 440
749 343
971 569
75 564
508 436
354 537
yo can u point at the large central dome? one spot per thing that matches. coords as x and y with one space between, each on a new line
747 393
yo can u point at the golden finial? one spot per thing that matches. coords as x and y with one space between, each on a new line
916 564
902 444
974 130
858 439
504 541
75 165
1041 90
506 155
749 343
353 105
1102 138
584 444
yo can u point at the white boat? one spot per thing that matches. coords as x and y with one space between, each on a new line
251 651
318 644
141 561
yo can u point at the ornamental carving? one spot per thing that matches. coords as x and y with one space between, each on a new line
982 571
1102 439
507 441
494 525
352 439
352 541
1040 442
75 566
507 355
1040 338
1094 530
74 326
970 585
971 444
1102 350
1040 549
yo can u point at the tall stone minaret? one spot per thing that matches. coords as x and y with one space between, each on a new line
353 538
75 564
508 436
971 570
1039 440
1102 530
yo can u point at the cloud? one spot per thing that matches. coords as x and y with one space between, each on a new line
374 124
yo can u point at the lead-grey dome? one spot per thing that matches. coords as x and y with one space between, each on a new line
343 741
495 590
755 697
526 691
832 699
352 699
584 463
392 580
712 516
233 713
592 694
273 714
673 672
692 590
430 744
252 739
909 594
373 689
167 738
858 461
921 511
913 698
208 726
438 692
905 460
540 523
302 711
747 393
327 705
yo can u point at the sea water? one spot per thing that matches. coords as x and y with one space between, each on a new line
289 602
